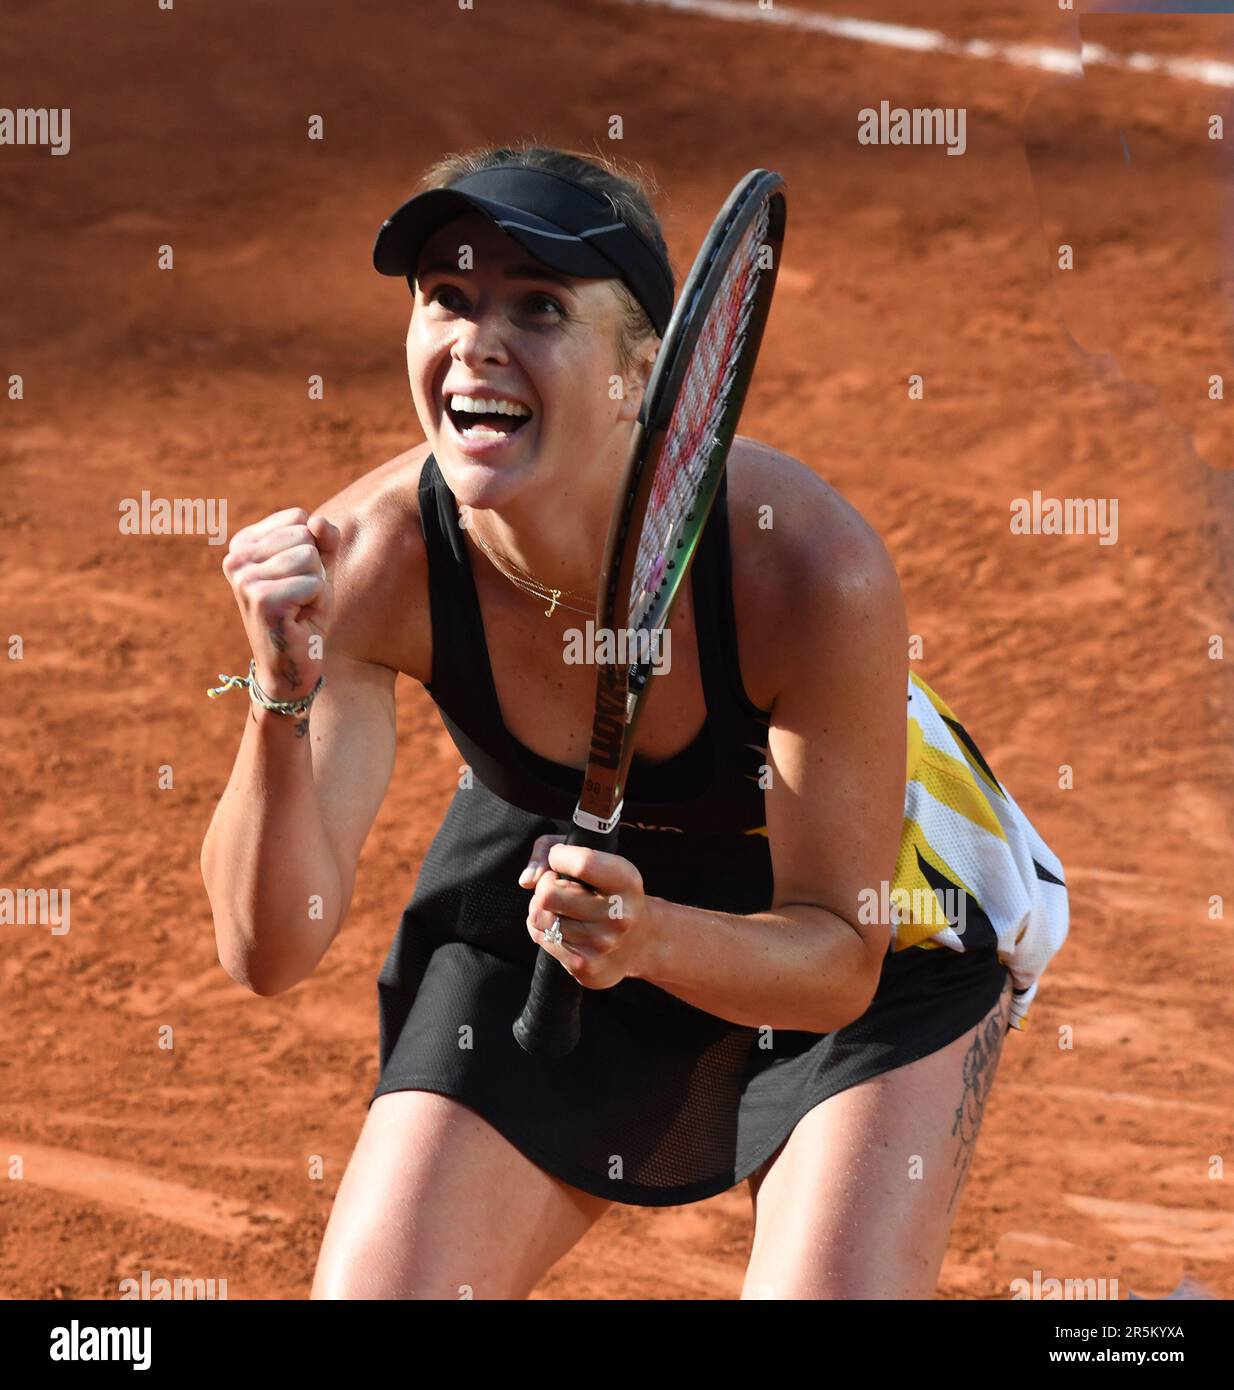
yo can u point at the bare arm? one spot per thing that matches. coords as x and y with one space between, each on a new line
280 856
279 859
834 810
834 816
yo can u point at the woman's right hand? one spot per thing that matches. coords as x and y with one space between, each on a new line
280 572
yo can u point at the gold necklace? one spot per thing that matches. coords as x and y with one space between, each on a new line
529 583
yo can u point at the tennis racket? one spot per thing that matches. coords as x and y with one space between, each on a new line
681 441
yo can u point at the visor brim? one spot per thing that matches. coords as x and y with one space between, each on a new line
404 233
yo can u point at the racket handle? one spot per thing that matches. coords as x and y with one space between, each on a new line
551 1022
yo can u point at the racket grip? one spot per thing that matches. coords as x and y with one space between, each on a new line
551 1021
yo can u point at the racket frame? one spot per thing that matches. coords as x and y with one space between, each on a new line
621 687
550 1024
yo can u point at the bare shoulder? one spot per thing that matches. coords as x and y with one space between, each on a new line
801 553
381 568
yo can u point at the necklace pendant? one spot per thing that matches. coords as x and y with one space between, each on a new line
548 612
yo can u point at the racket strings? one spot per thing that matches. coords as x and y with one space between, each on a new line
691 437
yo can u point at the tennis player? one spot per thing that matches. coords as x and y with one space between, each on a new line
773 993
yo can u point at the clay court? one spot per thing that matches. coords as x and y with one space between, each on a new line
217 1156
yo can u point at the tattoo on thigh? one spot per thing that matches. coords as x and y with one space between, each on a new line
980 1063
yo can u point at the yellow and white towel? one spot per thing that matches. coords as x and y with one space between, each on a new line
970 862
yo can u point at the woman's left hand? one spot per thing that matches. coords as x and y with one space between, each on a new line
606 935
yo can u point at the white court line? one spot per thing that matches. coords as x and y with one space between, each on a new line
1045 57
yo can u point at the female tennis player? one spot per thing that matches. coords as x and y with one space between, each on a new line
779 999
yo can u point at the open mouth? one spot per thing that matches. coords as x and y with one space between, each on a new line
476 418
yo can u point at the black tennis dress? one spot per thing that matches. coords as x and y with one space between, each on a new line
661 1103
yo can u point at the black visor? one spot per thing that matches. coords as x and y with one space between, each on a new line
555 219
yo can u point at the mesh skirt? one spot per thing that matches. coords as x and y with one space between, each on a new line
661 1103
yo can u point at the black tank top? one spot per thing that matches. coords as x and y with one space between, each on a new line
710 789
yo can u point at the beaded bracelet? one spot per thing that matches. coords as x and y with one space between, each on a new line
259 697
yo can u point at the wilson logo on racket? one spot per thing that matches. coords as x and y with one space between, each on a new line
608 731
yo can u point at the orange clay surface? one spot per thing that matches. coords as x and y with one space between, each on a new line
189 129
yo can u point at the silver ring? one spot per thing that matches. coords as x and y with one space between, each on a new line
554 932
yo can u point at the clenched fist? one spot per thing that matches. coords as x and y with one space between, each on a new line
279 570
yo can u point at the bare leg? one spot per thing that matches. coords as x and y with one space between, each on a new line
860 1199
436 1204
